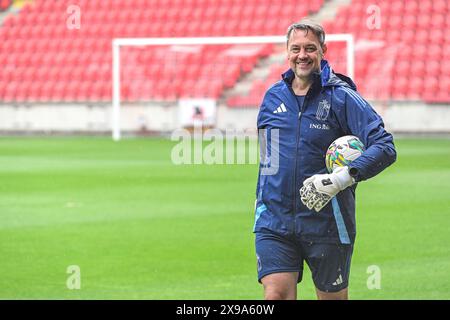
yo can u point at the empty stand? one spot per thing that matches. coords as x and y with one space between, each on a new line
42 59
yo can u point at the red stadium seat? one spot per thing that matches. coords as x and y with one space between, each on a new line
431 84
399 88
440 6
415 87
412 8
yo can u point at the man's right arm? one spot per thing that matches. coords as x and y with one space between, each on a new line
363 122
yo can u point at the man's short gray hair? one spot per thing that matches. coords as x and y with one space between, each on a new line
307 25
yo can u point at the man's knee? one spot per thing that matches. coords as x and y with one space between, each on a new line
280 286
277 294
340 295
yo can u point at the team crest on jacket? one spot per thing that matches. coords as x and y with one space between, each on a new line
323 110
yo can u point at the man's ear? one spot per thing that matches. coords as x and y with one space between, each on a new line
324 49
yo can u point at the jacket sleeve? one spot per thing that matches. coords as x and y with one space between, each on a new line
363 122
261 142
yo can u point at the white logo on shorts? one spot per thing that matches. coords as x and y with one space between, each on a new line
338 281
259 263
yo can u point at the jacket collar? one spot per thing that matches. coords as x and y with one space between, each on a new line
325 78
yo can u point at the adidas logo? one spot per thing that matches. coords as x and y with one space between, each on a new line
281 108
338 281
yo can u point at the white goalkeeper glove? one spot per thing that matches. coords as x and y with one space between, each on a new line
318 190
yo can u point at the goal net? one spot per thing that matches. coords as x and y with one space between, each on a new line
161 84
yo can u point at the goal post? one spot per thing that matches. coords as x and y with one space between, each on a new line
119 43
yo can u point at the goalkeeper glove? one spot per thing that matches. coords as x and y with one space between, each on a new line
318 190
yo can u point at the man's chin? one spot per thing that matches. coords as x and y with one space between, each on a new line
304 75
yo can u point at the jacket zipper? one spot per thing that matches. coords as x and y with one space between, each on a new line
301 107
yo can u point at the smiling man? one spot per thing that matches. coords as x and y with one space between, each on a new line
308 109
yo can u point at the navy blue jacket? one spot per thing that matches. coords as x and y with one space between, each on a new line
332 108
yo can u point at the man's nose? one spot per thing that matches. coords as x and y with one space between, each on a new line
302 54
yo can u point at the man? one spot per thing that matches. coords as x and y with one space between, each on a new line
303 214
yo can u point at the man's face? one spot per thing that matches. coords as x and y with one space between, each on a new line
304 53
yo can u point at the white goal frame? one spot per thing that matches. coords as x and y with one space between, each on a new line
137 42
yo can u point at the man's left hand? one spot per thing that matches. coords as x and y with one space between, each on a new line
318 190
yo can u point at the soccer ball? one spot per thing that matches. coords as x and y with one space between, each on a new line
343 151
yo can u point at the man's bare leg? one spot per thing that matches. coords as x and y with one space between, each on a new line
280 286
340 295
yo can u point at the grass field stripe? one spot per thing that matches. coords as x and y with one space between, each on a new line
342 230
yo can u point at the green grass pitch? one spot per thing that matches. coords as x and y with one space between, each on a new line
140 227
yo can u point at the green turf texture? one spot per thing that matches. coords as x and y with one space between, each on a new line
140 227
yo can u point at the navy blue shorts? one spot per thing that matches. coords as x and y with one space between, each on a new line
329 262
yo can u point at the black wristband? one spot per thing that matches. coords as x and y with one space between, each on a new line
353 173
